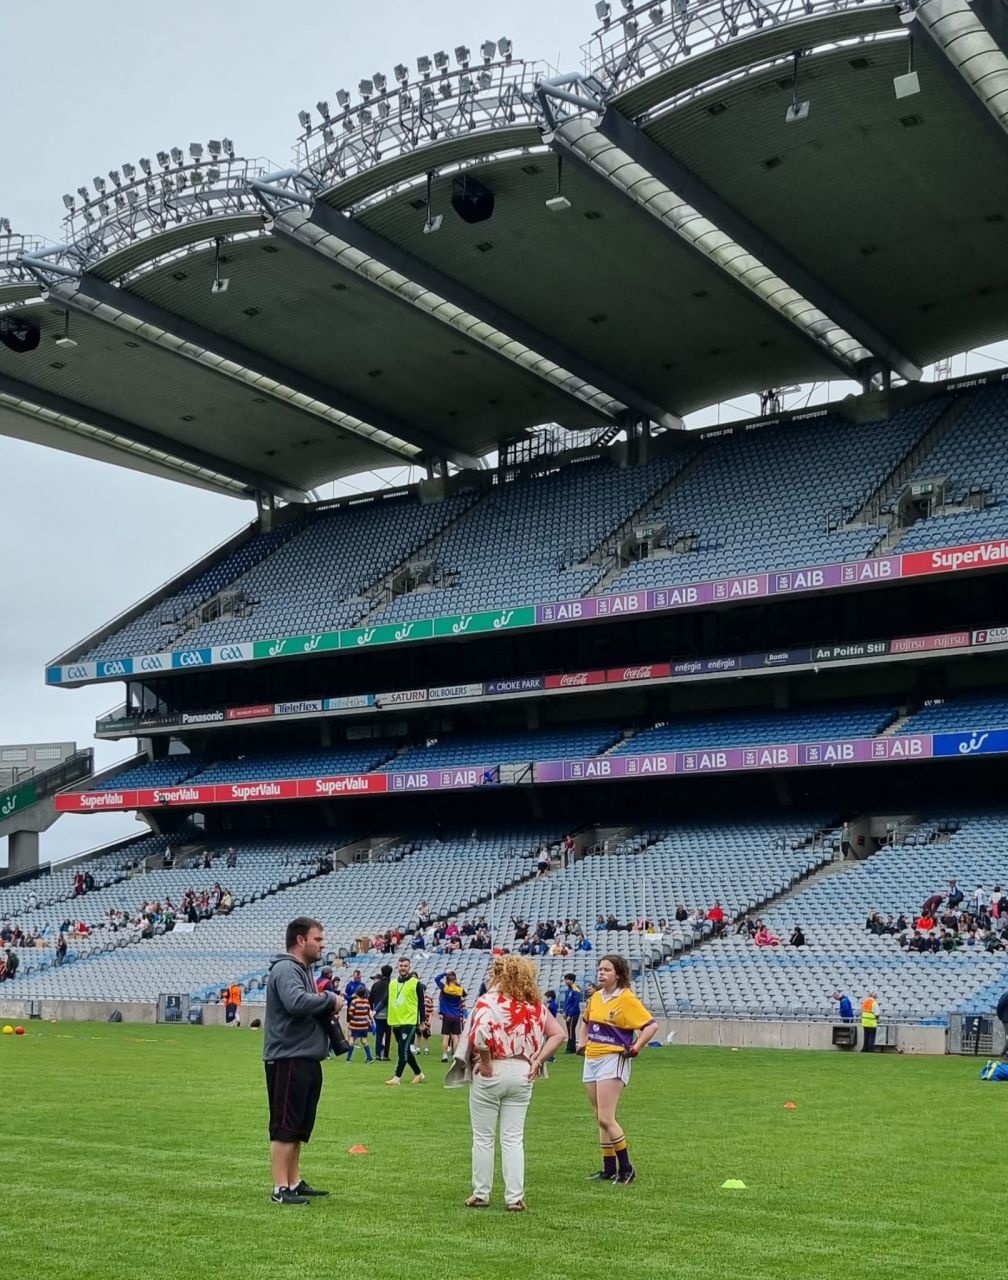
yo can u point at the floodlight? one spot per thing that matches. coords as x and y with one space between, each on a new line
680 6
445 89
489 50
69 202
149 188
380 81
131 196
603 10
441 60
129 171
656 14
484 79
462 54
228 146
423 65
343 98
176 155
365 115
120 200
631 27
628 5
99 185
365 88
907 84
426 96
196 151
88 217
349 123
84 194
328 137
405 100
104 208
465 84
214 147
162 159
180 180
384 108
323 109
114 176
401 72
64 340
305 119
196 177
504 47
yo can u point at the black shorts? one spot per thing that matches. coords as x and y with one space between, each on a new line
293 1086
230 1012
451 1026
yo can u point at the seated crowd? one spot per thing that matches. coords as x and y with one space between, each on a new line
949 921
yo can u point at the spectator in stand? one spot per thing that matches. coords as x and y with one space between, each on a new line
359 1022
797 938
925 923
716 916
979 899
932 904
543 863
379 1008
901 923
846 842
764 937
61 948
955 894
232 857
78 884
451 993
845 1008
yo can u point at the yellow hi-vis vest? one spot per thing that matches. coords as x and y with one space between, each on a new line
869 1013
402 1002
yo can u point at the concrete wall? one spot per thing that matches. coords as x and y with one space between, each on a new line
724 1032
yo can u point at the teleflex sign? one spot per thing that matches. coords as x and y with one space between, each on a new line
760 757
802 581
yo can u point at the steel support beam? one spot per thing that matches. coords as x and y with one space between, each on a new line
678 178
458 295
130 431
148 313
970 47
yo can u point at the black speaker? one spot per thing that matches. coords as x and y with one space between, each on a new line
18 335
471 200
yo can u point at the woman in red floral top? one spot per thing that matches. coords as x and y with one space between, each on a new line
511 1034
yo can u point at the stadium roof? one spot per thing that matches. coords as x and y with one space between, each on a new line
741 196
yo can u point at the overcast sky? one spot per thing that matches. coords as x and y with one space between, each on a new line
86 87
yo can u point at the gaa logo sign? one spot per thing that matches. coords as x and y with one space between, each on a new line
118 668
152 662
77 673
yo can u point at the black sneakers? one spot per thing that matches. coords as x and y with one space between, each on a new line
303 1189
284 1195
624 1178
601 1176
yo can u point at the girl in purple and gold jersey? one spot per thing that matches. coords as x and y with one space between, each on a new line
615 1028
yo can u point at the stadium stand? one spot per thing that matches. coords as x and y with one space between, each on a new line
732 976
841 720
770 500
972 460
508 748
307 574
961 711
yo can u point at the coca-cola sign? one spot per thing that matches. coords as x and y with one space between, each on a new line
648 671
575 680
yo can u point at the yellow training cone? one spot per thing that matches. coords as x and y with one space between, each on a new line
733 1184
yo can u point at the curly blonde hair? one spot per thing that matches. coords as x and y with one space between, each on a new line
515 978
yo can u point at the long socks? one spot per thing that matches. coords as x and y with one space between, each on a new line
608 1160
622 1155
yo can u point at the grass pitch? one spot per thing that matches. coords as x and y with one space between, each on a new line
141 1152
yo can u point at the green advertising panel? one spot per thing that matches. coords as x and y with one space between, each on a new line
22 797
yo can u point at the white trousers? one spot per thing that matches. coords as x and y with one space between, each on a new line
504 1097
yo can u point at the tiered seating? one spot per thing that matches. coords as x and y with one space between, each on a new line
307 575
963 711
733 976
158 627
359 899
168 772
814 724
973 458
518 747
522 544
765 500
56 886
359 758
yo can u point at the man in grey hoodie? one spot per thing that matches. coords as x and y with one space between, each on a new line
294 1045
